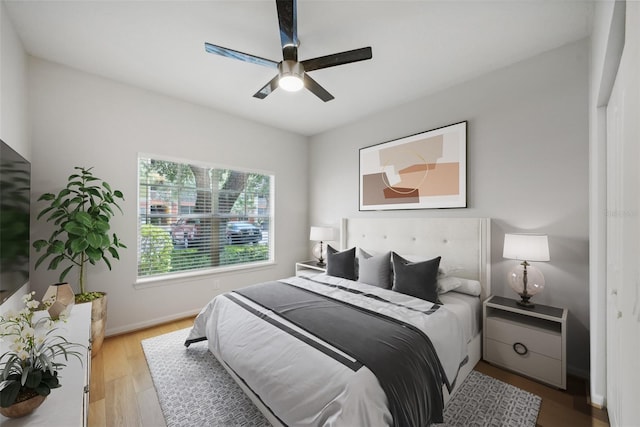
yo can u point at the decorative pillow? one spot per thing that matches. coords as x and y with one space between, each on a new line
469 287
459 284
443 270
418 279
341 264
374 269
447 283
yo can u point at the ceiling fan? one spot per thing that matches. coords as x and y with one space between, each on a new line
293 74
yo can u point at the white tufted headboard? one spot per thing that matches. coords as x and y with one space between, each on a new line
463 243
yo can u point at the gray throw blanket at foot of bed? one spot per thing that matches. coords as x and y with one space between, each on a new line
401 356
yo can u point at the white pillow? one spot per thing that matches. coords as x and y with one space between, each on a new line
459 284
447 283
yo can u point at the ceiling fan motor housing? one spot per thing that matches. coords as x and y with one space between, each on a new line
291 75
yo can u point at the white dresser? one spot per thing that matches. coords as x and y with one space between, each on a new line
69 404
530 341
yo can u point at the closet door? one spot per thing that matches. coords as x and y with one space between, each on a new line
623 231
615 239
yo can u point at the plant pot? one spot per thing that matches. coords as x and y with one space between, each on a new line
98 323
23 408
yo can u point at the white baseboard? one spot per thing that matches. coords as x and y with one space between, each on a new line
151 322
597 401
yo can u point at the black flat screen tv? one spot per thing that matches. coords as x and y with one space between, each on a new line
15 189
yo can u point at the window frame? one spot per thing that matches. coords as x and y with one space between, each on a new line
194 274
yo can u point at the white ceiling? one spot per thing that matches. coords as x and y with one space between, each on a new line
419 47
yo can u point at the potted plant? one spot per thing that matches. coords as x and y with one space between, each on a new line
81 213
30 367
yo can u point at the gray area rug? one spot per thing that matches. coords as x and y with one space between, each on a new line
195 390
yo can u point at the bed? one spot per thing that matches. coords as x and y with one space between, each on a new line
297 375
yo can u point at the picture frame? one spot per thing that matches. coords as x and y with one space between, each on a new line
427 170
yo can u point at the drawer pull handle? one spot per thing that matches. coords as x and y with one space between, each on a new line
520 348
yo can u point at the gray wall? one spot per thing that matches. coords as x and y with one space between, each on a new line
78 119
527 169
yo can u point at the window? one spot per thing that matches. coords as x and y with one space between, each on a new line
198 217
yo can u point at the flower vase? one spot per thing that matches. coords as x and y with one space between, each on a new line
63 299
25 407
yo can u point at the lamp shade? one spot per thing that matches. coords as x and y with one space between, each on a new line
526 247
321 234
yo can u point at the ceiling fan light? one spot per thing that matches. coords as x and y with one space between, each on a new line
291 73
290 83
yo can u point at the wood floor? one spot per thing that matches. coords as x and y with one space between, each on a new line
122 392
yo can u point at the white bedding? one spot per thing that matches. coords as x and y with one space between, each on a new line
468 309
303 386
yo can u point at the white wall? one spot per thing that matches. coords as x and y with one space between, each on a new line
607 40
83 120
527 157
13 106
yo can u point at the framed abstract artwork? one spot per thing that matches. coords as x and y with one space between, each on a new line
422 171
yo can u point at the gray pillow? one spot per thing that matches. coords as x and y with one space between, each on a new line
418 279
341 264
374 269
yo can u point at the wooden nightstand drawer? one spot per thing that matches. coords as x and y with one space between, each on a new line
534 365
536 337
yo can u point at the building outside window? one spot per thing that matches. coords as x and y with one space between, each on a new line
196 217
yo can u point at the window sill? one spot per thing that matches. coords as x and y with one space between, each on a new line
180 278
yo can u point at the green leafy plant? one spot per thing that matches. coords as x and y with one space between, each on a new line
30 367
240 253
155 250
188 259
81 213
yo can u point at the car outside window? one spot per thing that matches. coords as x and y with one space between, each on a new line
199 217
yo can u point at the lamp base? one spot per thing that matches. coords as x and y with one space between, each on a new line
524 302
319 252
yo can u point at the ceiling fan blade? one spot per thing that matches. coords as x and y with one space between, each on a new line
268 88
288 21
316 89
347 57
234 54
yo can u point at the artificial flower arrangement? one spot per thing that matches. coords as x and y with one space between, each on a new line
29 368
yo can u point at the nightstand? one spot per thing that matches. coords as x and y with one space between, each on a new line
530 341
309 268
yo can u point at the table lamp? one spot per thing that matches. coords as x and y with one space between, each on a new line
321 235
524 278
